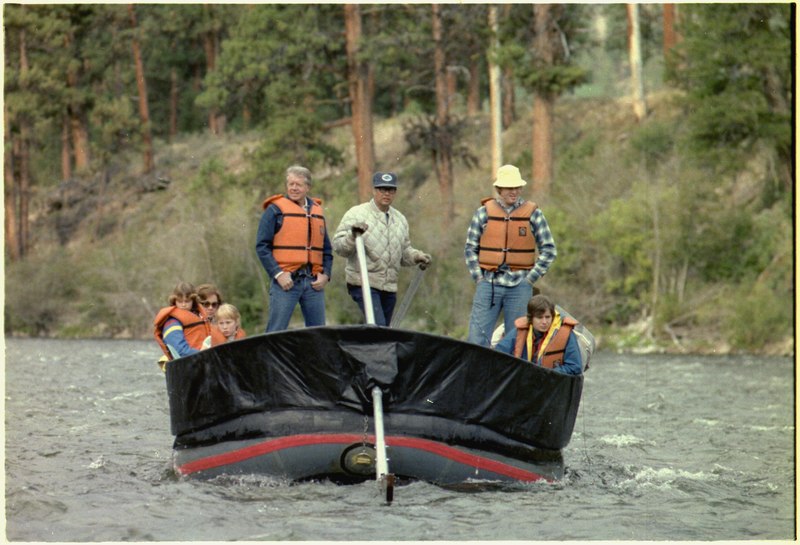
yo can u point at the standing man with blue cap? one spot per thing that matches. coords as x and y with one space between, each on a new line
386 243
509 248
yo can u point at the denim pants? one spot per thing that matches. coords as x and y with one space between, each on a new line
489 300
382 303
282 303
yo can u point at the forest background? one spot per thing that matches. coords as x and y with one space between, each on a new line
658 139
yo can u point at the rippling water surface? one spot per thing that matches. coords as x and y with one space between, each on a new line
665 448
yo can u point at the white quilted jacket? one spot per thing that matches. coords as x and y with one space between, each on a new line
386 243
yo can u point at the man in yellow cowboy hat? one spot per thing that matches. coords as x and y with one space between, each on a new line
509 247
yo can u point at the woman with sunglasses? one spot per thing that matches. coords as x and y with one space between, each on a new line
209 297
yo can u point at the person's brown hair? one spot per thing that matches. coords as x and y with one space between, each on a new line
538 304
204 290
184 290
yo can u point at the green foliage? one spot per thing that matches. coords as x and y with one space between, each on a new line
117 126
553 80
37 292
652 143
423 134
293 138
624 229
212 178
532 71
735 66
755 315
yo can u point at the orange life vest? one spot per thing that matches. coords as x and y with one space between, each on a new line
301 238
195 328
218 337
553 353
507 238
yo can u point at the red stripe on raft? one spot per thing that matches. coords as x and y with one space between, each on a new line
439 449
264 448
479 462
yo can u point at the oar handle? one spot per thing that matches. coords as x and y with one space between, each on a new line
362 264
382 475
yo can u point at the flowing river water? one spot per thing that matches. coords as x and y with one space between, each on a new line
677 448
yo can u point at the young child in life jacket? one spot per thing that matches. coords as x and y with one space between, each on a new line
229 321
183 307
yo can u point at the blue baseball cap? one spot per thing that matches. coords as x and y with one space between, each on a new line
384 179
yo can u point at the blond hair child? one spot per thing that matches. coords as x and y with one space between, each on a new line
229 321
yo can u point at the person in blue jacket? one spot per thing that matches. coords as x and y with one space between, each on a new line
544 338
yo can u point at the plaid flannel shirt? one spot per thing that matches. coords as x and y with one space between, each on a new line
504 276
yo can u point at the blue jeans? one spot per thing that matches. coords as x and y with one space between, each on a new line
489 300
282 303
382 303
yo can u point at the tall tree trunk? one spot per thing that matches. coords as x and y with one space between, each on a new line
542 145
10 191
452 85
77 122
635 55
141 84
507 81
670 37
66 152
80 138
24 189
360 86
173 104
474 87
495 96
654 300
24 154
543 104
443 154
509 97
210 47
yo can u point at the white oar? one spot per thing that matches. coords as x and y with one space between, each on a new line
362 263
385 479
382 475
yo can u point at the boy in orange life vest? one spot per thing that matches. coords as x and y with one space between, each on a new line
545 338
229 322
293 246
501 255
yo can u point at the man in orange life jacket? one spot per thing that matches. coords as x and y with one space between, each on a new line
501 255
293 246
545 338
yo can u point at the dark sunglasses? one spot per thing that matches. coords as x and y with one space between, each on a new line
208 304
